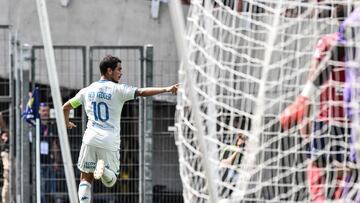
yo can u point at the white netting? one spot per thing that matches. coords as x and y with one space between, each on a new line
247 61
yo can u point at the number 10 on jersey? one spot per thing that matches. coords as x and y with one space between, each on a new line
101 111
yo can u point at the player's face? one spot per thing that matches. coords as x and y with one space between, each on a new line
116 73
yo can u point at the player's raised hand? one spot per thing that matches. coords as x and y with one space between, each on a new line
173 88
70 125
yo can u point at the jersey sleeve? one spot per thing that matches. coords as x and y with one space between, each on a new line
78 99
126 92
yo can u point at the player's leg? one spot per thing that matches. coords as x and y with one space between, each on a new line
106 175
352 172
86 165
339 148
107 167
85 187
315 173
99 169
316 180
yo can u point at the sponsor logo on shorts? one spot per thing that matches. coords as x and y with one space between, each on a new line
89 165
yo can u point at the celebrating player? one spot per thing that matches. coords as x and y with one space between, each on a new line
103 101
329 128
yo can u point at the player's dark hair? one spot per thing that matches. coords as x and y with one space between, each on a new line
108 62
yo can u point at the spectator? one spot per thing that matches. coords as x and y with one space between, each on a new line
231 157
50 158
2 122
4 140
6 164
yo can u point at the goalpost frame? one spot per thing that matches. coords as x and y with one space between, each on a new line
178 23
55 91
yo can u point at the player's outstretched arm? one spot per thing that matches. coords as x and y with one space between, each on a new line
66 109
150 91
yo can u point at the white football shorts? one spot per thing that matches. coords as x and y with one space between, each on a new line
89 155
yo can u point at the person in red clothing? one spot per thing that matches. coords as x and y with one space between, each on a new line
329 135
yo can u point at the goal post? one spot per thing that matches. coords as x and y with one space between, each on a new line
240 69
182 47
55 91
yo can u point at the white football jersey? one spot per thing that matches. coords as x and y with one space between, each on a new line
103 102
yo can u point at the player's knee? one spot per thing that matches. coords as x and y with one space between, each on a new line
110 183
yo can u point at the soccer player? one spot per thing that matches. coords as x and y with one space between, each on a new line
103 101
50 156
329 128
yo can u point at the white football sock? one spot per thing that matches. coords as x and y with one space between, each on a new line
84 192
108 178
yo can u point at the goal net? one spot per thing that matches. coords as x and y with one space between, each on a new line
246 62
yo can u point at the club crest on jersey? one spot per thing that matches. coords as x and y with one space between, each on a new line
91 96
